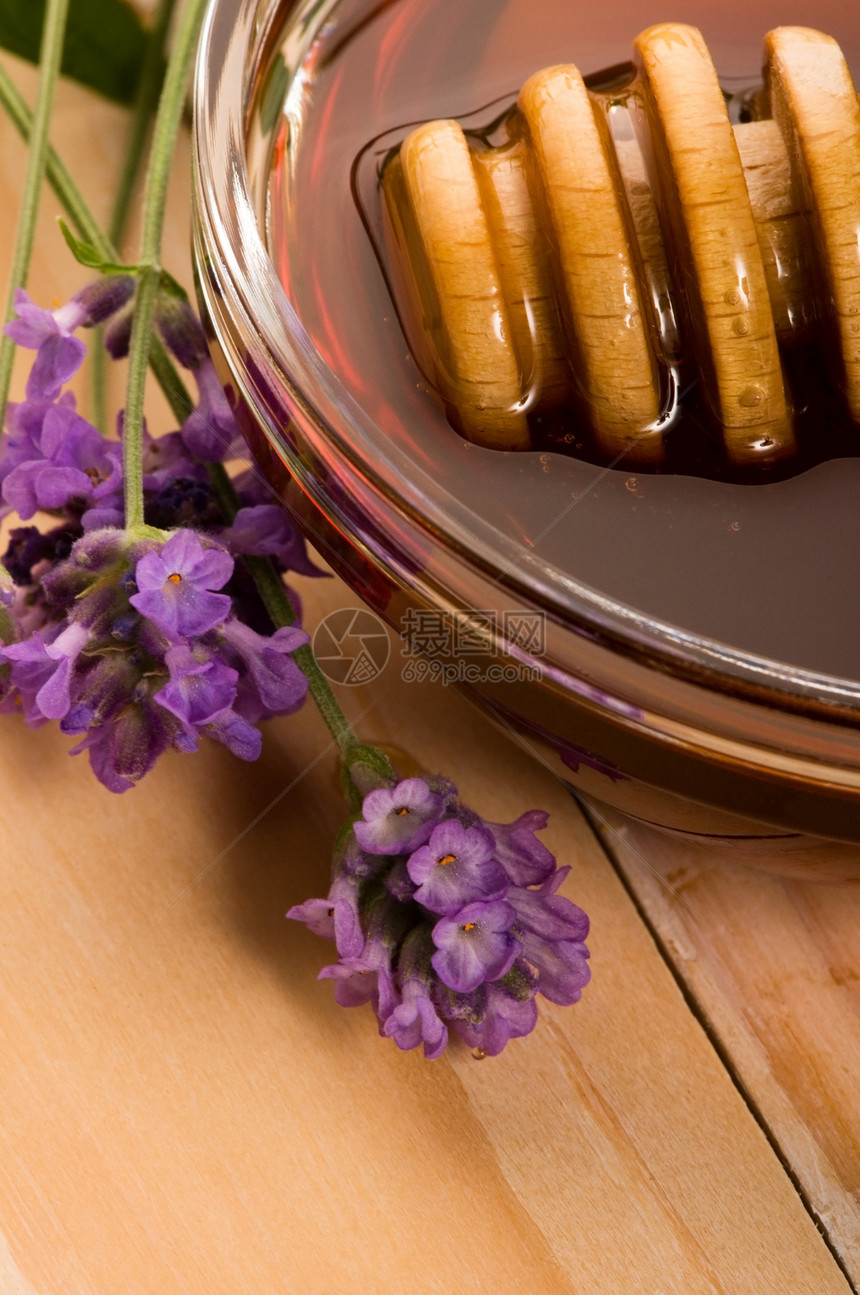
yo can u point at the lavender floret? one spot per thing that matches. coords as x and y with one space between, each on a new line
415 1020
210 432
398 819
59 461
50 333
455 866
175 586
476 945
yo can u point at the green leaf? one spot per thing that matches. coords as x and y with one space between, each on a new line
86 254
171 288
104 48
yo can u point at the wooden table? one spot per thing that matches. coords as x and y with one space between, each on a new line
186 1112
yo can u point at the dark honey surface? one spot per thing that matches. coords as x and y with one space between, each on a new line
768 566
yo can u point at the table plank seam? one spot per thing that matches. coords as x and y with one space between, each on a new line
596 822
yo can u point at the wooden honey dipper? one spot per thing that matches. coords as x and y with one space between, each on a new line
750 233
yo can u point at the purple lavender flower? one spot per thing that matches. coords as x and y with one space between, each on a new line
237 734
128 642
317 915
477 969
87 656
415 1020
210 432
44 669
180 329
22 442
275 684
368 978
547 914
267 530
175 586
71 462
100 692
563 971
200 691
49 333
398 819
99 300
355 981
117 334
125 748
455 867
524 858
334 918
59 354
553 931
500 1015
165 460
475 945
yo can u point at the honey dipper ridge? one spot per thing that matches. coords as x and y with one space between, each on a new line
570 261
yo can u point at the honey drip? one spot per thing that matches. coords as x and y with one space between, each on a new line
616 248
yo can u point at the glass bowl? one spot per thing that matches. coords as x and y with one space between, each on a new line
535 570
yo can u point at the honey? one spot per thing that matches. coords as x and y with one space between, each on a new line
760 558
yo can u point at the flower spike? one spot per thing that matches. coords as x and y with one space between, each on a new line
451 927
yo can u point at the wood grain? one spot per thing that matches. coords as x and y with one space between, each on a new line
186 1112
774 966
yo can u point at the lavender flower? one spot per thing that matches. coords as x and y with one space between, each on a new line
267 530
128 743
69 465
524 858
136 645
45 668
175 586
50 333
276 684
201 692
455 866
210 432
415 1020
135 672
504 1010
475 945
505 934
397 820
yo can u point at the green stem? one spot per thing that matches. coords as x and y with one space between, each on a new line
163 143
274 596
80 217
144 108
325 700
146 101
50 53
86 226
175 391
97 371
138 361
